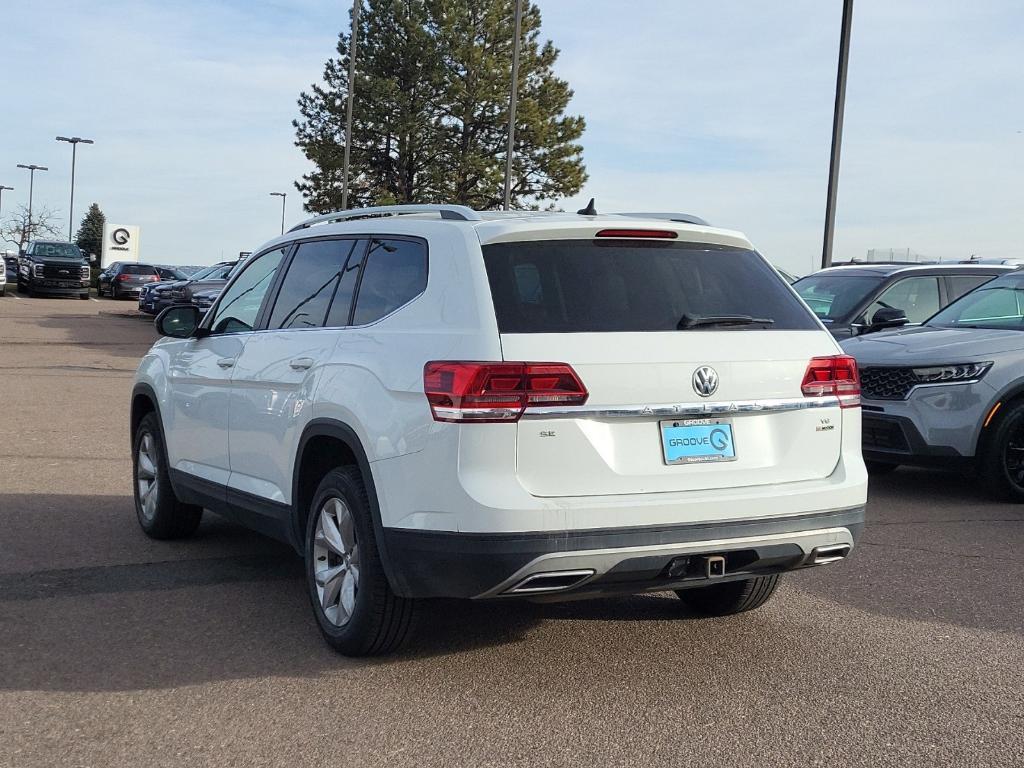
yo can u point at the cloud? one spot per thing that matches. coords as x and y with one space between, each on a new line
721 109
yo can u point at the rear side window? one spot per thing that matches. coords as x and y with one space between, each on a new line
586 286
310 284
960 285
394 274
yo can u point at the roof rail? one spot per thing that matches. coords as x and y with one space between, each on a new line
683 218
450 212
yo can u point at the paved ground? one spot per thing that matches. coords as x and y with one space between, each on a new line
117 650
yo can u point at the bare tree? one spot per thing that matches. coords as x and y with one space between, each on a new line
19 231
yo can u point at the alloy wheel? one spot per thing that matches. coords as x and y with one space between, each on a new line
1013 455
336 561
146 477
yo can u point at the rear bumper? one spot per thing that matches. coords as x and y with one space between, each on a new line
568 564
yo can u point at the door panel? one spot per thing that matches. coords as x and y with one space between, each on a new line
199 373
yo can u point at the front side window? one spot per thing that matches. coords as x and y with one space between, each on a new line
917 296
240 304
394 274
310 284
593 286
991 307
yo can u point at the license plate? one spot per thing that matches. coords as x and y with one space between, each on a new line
697 441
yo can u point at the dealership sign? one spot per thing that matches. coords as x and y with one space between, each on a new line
120 243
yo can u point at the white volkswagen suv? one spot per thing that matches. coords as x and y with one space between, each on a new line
430 401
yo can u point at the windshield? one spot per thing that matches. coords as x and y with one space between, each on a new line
832 297
588 286
205 272
990 307
57 250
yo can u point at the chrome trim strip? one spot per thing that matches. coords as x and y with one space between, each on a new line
680 409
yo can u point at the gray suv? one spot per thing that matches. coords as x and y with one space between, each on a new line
950 392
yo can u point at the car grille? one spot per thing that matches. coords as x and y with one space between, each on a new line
886 383
884 435
53 272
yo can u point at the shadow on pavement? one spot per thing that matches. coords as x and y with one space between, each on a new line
228 604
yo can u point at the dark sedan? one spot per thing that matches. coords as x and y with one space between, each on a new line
155 298
122 279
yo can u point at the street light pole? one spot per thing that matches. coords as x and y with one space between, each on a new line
74 141
27 231
351 91
284 197
513 98
837 134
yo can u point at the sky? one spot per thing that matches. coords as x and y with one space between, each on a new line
719 108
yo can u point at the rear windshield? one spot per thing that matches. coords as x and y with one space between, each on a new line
583 286
138 269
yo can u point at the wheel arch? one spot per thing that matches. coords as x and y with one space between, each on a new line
144 400
312 462
1013 392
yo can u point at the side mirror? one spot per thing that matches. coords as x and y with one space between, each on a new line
887 317
180 321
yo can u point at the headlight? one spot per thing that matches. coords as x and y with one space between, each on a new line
957 372
37 270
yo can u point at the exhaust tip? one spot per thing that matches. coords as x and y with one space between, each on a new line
833 553
554 581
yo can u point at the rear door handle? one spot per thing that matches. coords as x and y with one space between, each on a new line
301 363
226 362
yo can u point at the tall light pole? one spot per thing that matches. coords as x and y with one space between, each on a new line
2 188
837 134
351 92
74 141
513 98
27 231
283 196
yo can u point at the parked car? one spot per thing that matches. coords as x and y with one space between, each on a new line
866 298
125 278
159 296
359 391
53 268
951 392
11 266
203 300
3 282
183 292
170 273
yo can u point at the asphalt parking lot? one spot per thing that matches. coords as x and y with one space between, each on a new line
118 650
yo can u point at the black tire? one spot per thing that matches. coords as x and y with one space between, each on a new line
167 518
730 597
879 467
1001 460
83 296
380 621
113 291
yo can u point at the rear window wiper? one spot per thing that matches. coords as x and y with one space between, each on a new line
688 321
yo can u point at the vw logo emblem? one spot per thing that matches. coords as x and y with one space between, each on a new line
705 381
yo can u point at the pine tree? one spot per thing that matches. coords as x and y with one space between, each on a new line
430 116
90 231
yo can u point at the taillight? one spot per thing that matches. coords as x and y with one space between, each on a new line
122 278
487 392
833 376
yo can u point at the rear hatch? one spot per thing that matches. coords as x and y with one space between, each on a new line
646 324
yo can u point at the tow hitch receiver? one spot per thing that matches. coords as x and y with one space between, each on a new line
714 566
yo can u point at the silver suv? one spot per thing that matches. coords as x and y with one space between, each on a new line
951 392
